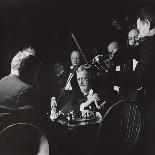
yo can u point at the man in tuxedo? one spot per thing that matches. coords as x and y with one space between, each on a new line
70 83
144 72
132 51
75 62
87 97
83 78
112 48
133 37
67 82
92 99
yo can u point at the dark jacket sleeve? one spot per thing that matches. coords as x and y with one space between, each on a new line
145 70
125 54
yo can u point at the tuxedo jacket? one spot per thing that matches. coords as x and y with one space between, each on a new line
145 70
145 75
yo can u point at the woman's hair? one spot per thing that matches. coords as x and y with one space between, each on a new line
147 13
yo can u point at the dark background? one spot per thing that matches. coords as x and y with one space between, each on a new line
46 25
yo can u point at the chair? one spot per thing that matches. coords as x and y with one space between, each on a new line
125 125
23 139
133 127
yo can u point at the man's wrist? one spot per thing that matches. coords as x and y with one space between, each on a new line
82 107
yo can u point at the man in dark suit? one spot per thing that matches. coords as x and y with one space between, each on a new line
133 49
17 90
91 98
144 72
71 83
20 100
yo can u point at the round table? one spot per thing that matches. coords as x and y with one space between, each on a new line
83 122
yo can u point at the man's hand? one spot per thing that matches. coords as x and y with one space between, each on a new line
94 97
53 103
87 114
98 57
53 115
102 105
91 98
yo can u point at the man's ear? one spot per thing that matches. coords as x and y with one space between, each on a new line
144 31
148 24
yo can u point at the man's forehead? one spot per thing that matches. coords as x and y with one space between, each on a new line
75 53
133 33
112 46
83 73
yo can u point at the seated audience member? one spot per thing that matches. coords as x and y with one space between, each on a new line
17 90
91 99
75 104
88 98
84 84
20 99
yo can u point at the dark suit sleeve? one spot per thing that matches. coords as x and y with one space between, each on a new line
125 54
144 73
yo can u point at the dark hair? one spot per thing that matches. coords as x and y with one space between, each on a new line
24 61
147 13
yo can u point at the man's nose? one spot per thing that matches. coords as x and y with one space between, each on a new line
81 81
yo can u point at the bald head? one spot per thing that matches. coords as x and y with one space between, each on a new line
113 47
75 58
133 37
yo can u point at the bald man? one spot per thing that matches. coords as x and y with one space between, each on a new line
133 38
133 42
112 48
75 58
75 61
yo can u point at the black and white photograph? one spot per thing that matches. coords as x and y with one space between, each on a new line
77 77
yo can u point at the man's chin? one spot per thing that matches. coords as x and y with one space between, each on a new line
75 65
83 89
